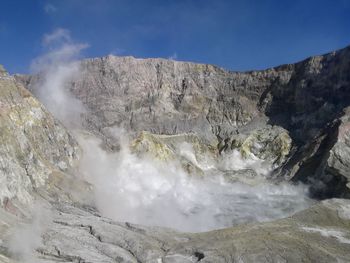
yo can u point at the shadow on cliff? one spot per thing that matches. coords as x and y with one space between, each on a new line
309 107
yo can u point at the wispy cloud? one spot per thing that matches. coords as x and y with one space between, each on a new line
60 34
49 8
173 56
61 49
57 66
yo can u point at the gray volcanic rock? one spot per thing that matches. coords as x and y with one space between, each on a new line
316 94
338 162
267 143
319 234
323 162
170 97
35 151
294 111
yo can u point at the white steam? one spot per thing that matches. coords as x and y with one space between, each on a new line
186 150
150 192
235 161
57 68
146 191
26 238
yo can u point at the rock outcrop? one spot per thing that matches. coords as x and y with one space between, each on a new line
339 158
37 154
187 149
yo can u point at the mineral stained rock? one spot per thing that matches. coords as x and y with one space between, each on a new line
35 151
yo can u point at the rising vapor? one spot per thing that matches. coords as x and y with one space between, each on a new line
56 69
146 191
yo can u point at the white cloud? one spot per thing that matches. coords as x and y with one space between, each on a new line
58 66
173 56
50 8
61 49
65 53
60 34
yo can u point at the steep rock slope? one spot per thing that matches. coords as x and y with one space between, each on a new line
35 148
169 97
161 96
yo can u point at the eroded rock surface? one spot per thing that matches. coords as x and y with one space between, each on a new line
35 151
338 162
319 234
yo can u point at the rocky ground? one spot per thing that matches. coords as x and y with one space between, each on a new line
75 234
294 116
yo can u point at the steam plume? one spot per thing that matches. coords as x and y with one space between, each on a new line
146 191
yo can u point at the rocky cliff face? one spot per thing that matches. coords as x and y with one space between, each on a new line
170 97
35 151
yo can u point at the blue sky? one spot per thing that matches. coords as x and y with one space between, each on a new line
237 34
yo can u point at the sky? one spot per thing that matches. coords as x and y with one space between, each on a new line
237 35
